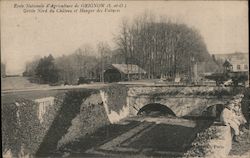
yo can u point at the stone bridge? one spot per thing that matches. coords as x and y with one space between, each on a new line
60 116
182 101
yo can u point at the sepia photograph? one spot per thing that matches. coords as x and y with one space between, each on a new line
123 78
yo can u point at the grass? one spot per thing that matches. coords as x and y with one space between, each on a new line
12 83
31 95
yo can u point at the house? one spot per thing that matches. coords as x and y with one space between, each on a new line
236 65
123 72
234 62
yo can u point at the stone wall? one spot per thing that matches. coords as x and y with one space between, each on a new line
44 125
183 91
245 105
108 105
115 102
91 117
23 131
70 104
35 127
216 141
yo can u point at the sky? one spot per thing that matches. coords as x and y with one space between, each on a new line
25 36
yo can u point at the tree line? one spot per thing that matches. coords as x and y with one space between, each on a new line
161 47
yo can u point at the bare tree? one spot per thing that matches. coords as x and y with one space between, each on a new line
163 48
106 53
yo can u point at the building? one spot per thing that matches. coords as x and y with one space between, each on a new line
123 72
234 62
235 65
238 69
239 65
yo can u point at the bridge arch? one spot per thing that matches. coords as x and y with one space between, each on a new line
158 108
213 110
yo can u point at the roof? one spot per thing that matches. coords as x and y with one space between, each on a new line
129 69
230 56
238 61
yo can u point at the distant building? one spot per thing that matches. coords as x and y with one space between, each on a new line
123 72
235 62
235 65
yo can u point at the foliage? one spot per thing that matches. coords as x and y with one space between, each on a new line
30 67
46 70
81 63
21 127
10 130
219 63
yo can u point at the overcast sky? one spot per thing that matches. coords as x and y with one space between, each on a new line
223 25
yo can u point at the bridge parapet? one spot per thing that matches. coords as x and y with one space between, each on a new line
183 91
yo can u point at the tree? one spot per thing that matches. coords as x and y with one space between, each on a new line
161 47
30 67
81 63
46 70
106 54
